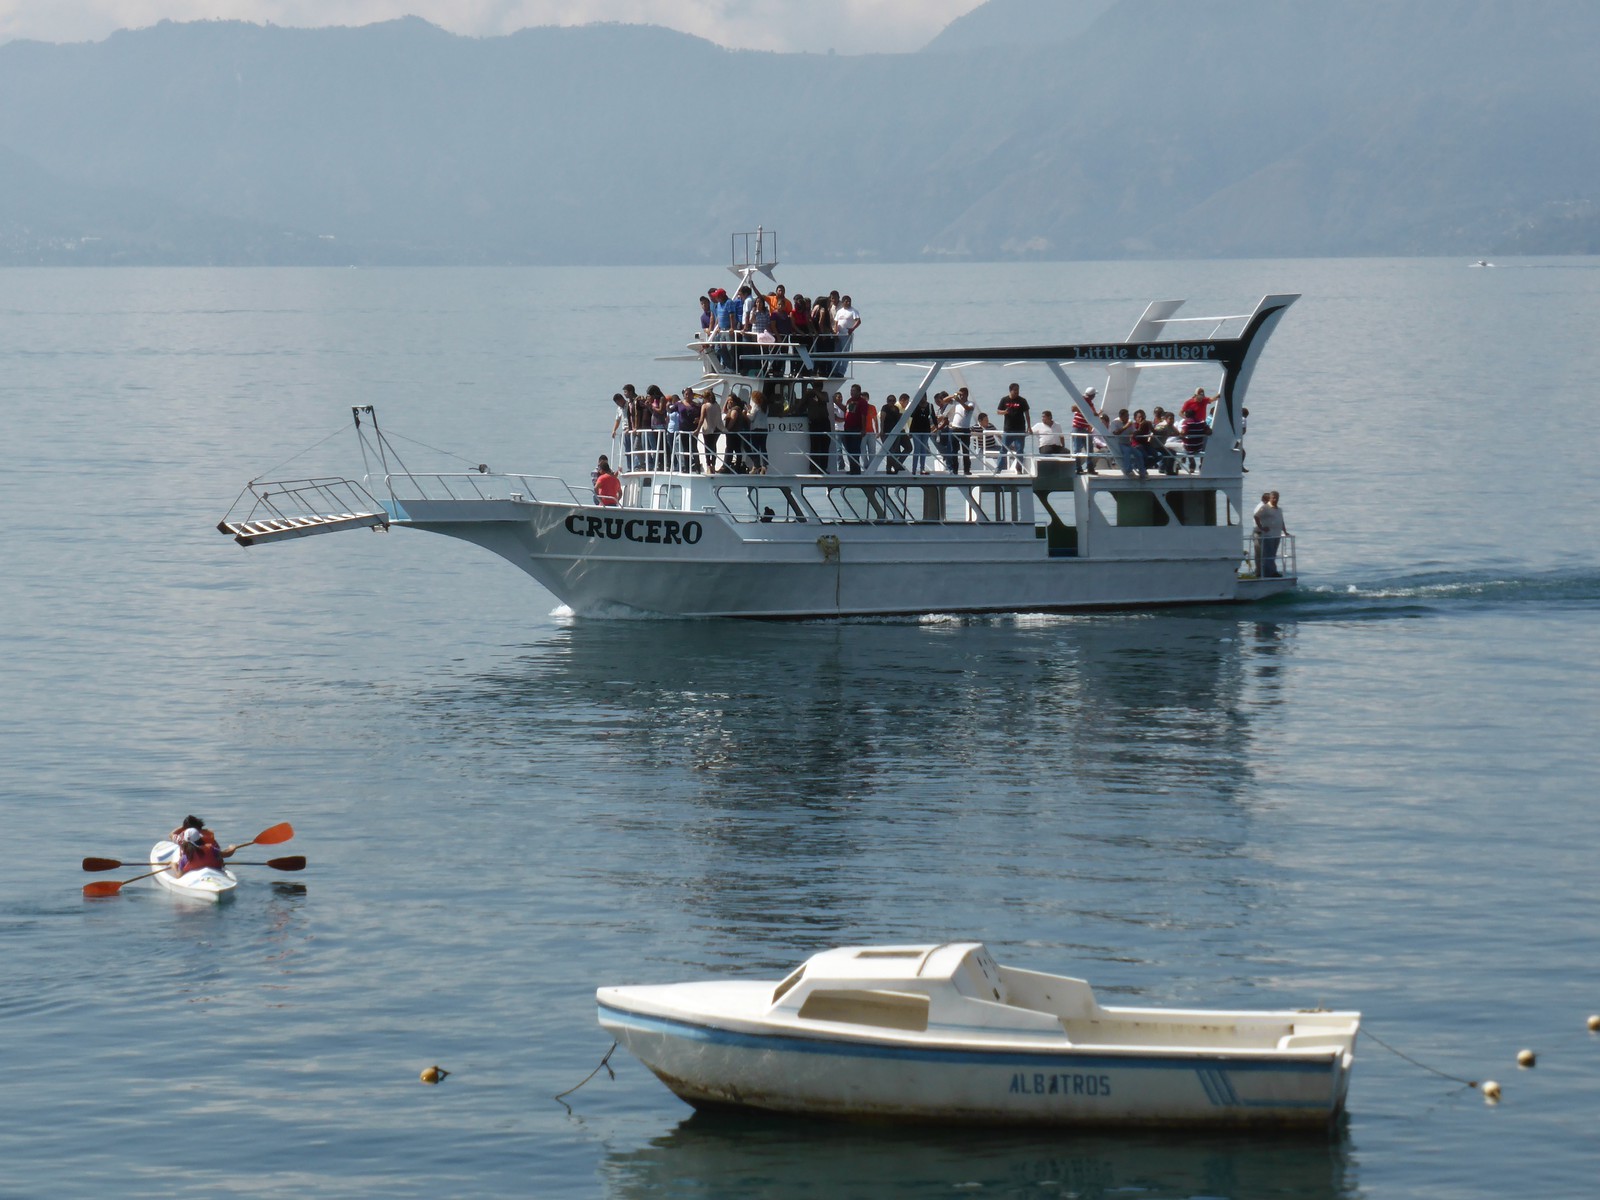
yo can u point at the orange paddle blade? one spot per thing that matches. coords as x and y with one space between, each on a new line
105 887
278 833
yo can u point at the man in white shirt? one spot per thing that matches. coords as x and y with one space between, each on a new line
1051 438
959 419
1269 532
846 320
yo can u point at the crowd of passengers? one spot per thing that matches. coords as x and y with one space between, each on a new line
756 334
693 432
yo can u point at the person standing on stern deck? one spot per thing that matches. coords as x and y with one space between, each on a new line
1269 533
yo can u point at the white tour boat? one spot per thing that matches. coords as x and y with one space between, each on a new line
696 532
206 884
945 1033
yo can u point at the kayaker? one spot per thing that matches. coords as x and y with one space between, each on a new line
206 836
195 853
192 822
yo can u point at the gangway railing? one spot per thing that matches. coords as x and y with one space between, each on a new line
297 508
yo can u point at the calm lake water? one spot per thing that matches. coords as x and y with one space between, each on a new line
1377 794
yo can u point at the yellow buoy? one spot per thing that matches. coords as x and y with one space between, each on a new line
1594 1023
433 1074
1491 1091
1526 1058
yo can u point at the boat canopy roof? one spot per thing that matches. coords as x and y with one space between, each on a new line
1144 348
967 966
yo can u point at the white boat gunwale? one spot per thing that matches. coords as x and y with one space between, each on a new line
887 1043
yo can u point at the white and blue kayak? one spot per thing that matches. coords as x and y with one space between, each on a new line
206 884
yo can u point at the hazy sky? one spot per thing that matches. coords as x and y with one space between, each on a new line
848 26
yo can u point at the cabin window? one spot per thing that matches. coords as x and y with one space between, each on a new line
1193 508
884 1009
789 981
1131 508
856 504
1055 519
746 504
955 505
1000 503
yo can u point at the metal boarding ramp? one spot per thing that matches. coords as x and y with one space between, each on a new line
299 508
277 510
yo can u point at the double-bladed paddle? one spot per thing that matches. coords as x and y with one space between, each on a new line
295 862
281 832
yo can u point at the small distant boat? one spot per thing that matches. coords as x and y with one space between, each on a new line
944 1033
1480 263
206 884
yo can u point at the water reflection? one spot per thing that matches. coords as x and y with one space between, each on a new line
830 712
784 783
725 1156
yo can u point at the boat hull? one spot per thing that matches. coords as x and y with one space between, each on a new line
714 1065
784 571
206 885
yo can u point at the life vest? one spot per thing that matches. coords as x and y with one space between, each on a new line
195 858
608 489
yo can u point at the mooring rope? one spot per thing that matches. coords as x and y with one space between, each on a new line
1365 1032
604 1062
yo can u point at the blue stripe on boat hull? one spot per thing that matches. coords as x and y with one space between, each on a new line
1042 1057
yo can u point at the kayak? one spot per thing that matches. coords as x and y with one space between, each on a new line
206 884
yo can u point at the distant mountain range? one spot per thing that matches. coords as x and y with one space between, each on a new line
1031 129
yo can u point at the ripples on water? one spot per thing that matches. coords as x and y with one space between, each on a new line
1375 794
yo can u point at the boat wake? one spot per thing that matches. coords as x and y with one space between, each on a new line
1421 594
1439 592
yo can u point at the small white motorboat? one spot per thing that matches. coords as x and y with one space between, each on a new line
944 1033
205 884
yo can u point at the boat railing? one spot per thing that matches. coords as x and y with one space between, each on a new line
1268 557
789 356
835 453
479 485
